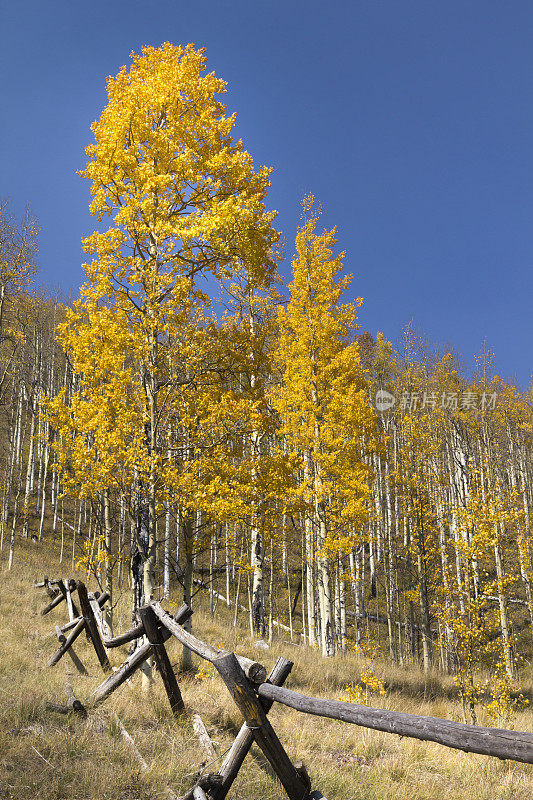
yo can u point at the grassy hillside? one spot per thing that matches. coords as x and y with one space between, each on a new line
46 755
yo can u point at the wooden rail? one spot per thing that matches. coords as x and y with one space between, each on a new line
254 696
240 679
254 671
514 745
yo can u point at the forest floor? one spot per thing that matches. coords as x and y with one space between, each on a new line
44 755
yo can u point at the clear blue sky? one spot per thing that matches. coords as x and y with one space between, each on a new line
410 120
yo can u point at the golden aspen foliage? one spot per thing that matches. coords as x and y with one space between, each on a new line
183 202
322 395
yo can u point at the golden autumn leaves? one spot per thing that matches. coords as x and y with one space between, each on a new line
167 401
255 426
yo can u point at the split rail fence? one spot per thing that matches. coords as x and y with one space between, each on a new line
252 691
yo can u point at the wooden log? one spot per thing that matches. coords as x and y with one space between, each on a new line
74 705
73 702
199 794
203 736
124 638
92 628
131 743
250 707
69 625
155 637
78 663
244 739
208 783
117 678
57 708
45 584
73 635
514 745
254 671
66 589
72 609
75 660
169 793
132 663
103 627
299 766
59 597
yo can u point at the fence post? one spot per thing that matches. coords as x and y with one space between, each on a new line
244 740
91 627
155 637
256 719
75 627
133 662
55 601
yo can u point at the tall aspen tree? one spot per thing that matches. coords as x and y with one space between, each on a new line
183 201
322 402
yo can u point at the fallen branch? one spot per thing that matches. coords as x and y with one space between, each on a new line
73 704
129 740
202 734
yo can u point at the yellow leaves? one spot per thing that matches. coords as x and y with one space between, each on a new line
164 167
506 699
368 684
322 396
205 672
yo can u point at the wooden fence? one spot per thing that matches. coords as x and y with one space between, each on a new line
252 691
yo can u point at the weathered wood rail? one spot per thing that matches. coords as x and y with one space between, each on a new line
254 695
514 745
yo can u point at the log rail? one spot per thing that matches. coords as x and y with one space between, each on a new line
506 744
514 745
254 701
254 696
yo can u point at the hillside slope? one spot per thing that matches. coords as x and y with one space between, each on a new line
46 755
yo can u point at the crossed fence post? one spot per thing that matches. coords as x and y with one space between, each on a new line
240 674
86 622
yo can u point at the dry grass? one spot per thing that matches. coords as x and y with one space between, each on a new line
45 755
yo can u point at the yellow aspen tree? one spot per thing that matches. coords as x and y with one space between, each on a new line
241 471
18 246
322 401
183 202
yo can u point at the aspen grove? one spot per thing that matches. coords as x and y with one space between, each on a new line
191 425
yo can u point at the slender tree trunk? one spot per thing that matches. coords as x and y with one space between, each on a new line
188 572
108 558
29 472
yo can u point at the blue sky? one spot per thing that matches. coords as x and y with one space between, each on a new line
412 123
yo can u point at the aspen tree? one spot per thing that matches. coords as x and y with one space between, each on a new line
322 401
18 246
183 201
242 472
